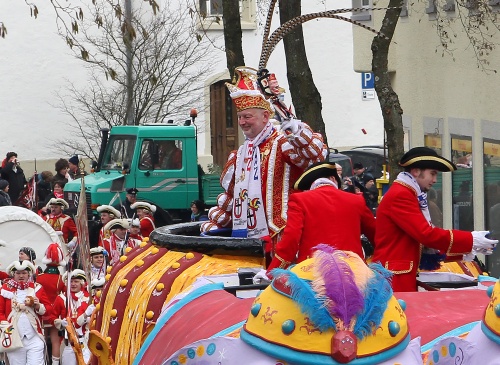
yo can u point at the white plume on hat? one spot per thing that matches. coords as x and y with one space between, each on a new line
135 222
75 274
109 209
144 205
97 282
18 266
54 255
97 250
117 222
59 201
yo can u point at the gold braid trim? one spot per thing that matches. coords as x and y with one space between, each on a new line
400 271
284 264
448 253
131 331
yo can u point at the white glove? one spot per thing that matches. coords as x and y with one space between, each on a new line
4 324
89 310
261 277
481 244
59 233
292 125
72 243
60 323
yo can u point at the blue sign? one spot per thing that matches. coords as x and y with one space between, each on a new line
367 80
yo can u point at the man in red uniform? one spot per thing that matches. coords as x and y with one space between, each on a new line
63 224
404 225
106 213
115 245
258 178
145 213
323 214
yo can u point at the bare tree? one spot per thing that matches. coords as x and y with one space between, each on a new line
169 64
388 99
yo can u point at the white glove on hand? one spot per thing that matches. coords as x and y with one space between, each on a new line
59 233
4 324
60 323
261 277
481 244
292 125
72 243
89 310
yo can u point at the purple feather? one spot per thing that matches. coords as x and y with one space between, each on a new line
344 299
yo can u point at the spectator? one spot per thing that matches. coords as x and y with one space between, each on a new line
198 211
62 168
4 193
57 193
44 187
27 253
74 171
435 212
14 174
360 175
370 192
135 231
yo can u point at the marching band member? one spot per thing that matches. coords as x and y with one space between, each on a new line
135 231
53 284
145 213
77 312
63 224
22 303
117 242
98 264
258 178
107 213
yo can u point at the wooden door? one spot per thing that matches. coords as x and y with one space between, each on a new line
223 123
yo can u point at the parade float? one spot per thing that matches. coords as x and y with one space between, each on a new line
331 309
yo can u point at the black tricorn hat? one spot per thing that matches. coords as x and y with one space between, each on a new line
315 171
426 158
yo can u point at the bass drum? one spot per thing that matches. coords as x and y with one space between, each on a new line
21 227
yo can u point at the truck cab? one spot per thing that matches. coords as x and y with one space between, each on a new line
160 160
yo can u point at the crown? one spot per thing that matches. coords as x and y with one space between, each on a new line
245 92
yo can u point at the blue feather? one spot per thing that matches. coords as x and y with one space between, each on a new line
377 294
305 298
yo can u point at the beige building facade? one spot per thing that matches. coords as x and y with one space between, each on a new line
450 103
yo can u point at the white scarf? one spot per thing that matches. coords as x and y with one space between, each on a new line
407 179
249 218
323 181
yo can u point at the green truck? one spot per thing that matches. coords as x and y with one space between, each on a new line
160 160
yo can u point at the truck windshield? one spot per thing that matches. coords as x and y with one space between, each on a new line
119 151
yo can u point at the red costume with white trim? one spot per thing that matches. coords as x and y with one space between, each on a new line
147 226
323 215
53 284
63 223
402 231
283 160
10 294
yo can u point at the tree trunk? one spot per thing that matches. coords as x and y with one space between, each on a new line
232 35
305 96
389 101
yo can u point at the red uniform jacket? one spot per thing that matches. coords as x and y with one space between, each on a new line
7 293
53 284
147 226
402 230
63 223
323 215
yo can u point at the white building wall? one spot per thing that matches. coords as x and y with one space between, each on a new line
35 64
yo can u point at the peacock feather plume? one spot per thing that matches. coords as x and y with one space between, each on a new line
305 297
335 286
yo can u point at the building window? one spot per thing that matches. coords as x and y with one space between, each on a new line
361 15
211 14
431 7
463 210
